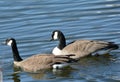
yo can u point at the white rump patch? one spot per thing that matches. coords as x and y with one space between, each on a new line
59 66
9 43
101 52
56 51
55 36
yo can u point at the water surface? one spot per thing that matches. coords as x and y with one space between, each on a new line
32 21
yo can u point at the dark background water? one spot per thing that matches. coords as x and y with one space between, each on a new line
32 21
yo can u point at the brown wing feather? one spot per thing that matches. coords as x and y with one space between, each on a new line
84 47
37 62
44 61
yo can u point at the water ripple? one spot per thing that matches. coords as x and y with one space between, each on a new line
32 22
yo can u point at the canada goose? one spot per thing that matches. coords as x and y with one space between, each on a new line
37 62
80 48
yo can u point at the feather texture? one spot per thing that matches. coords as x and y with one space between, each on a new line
37 62
41 61
80 48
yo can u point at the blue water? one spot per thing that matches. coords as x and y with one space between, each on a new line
31 22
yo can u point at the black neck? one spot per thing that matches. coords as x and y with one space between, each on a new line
62 42
16 55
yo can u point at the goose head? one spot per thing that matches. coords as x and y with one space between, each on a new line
57 35
10 41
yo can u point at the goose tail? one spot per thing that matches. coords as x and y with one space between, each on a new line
112 46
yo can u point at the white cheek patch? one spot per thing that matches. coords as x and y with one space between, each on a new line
9 43
55 35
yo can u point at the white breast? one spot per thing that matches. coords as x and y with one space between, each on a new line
17 63
57 51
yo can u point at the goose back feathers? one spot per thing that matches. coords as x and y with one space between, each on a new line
38 62
80 48
42 61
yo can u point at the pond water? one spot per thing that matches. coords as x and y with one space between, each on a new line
31 23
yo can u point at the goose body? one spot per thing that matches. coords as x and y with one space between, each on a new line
80 48
42 61
39 61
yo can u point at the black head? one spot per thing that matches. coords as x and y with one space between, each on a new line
10 41
57 34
